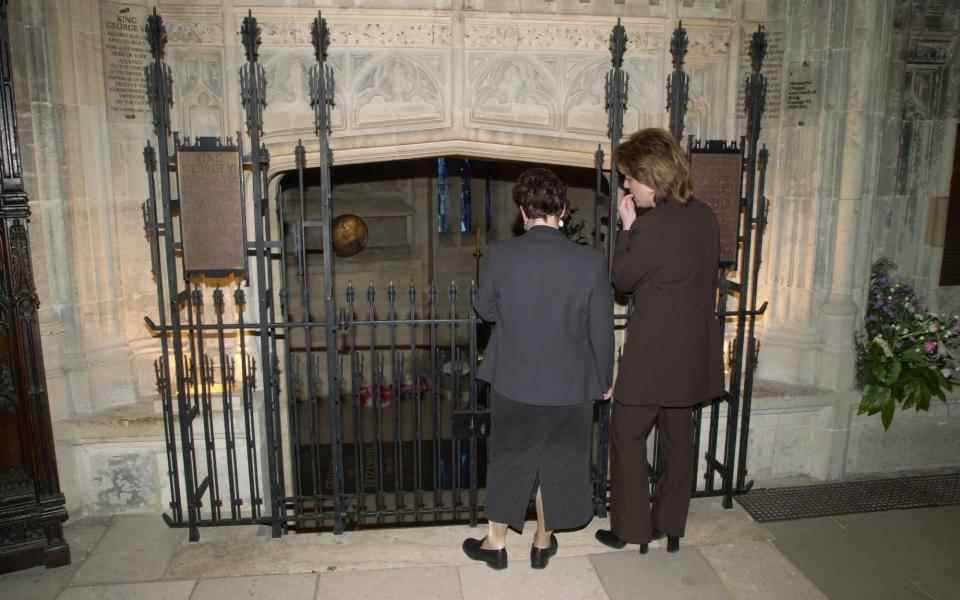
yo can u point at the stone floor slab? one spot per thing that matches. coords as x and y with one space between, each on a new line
568 578
135 548
40 583
844 564
756 571
161 590
686 575
226 551
430 583
269 587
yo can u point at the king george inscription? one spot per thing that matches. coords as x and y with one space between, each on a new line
125 54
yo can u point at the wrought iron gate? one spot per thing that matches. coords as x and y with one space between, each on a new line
365 398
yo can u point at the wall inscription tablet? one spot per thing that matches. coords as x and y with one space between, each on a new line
211 212
716 182
125 54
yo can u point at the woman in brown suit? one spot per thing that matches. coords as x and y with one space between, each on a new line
667 259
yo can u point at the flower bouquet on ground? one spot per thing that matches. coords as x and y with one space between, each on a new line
906 354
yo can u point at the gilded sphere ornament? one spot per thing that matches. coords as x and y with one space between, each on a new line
349 235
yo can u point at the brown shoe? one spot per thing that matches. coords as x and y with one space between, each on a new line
609 538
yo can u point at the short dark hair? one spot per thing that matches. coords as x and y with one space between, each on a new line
540 193
654 158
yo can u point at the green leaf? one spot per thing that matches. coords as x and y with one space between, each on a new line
879 372
922 395
894 373
886 415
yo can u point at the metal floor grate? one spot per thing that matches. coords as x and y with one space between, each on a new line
823 500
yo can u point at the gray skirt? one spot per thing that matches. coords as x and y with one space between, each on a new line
534 446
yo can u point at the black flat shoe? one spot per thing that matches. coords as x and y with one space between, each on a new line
495 559
609 538
539 557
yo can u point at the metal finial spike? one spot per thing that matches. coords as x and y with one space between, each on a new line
618 44
678 46
320 35
250 34
758 48
156 35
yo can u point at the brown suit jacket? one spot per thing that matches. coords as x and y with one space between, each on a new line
669 262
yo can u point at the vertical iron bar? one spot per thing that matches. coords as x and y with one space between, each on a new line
753 345
253 90
376 397
617 84
226 402
455 497
678 82
159 89
356 374
153 231
697 419
293 362
436 378
247 373
418 407
473 404
226 383
598 197
755 99
322 88
396 373
203 375
277 447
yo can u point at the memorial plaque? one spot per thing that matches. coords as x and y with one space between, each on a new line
125 54
716 177
803 101
211 210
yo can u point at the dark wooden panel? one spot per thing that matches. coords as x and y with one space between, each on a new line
950 269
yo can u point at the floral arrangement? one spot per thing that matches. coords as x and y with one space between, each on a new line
906 354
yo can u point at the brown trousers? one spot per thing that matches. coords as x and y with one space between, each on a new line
631 517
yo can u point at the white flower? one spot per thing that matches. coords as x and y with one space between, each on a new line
883 346
946 373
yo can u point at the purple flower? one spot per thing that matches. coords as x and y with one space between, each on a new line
930 346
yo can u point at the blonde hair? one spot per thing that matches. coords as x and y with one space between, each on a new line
654 158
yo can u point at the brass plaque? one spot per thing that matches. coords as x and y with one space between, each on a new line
716 178
211 212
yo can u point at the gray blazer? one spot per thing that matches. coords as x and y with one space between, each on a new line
551 302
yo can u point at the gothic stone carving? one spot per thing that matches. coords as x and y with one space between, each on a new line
199 89
481 34
708 45
514 90
399 89
404 33
288 92
194 33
